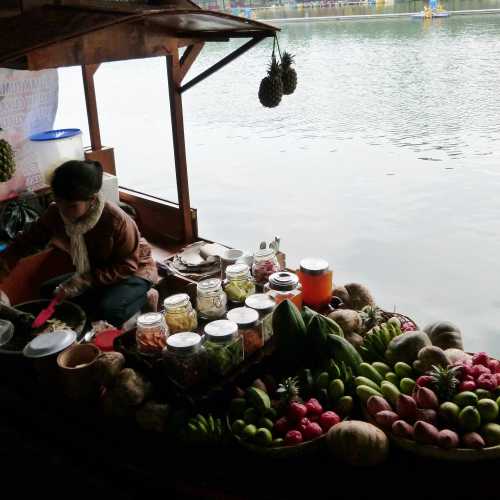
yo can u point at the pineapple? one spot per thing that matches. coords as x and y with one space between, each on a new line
271 87
445 381
371 316
7 161
288 391
288 74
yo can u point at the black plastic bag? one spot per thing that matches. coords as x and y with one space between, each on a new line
17 215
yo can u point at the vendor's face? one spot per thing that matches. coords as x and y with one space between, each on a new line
73 210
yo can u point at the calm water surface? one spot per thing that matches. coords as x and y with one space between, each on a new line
385 160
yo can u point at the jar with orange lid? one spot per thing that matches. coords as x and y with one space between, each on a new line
284 285
315 278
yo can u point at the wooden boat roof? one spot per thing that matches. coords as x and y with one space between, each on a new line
67 35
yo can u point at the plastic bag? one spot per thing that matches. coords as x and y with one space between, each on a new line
17 215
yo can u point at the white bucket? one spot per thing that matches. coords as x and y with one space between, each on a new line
54 147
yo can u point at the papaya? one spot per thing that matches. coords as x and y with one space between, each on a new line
342 350
258 398
289 331
307 315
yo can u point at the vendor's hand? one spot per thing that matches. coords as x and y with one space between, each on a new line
73 287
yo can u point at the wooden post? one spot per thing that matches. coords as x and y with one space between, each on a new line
88 72
176 116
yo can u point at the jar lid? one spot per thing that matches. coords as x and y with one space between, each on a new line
264 252
260 302
313 265
243 316
46 344
283 280
237 270
183 342
221 330
210 285
149 319
6 331
177 300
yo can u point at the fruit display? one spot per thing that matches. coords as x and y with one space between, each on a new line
283 417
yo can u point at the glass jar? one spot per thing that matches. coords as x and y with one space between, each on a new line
151 333
211 300
239 283
248 328
179 314
284 285
316 279
223 345
185 358
264 305
264 264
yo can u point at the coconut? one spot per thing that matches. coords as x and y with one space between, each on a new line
342 294
347 319
359 296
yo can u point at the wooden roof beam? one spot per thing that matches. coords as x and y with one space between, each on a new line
188 58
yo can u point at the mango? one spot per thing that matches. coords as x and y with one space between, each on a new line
469 419
336 389
382 368
392 378
466 398
491 434
407 385
403 370
238 426
263 437
449 412
483 394
249 432
367 370
488 409
344 406
265 423
323 380
364 392
390 391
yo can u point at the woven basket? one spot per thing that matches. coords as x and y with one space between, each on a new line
298 450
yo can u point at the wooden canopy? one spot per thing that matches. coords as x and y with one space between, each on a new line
56 36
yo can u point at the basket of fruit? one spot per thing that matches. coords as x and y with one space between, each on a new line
432 398
278 423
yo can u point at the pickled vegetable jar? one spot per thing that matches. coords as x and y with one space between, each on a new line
316 279
151 333
223 345
211 300
264 264
247 321
185 358
264 305
239 283
284 285
179 314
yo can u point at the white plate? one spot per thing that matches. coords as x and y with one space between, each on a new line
46 344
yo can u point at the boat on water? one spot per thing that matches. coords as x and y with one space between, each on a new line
431 12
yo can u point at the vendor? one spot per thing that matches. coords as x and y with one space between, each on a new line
114 266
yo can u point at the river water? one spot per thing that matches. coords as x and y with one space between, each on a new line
385 161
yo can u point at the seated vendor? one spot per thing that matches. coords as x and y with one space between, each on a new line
114 266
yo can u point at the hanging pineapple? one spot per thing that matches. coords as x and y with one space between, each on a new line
288 74
7 161
271 87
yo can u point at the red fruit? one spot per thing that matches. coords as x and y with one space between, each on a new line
493 365
386 418
426 398
293 437
487 381
313 407
469 377
296 411
467 369
402 429
282 426
313 430
448 439
478 370
314 418
473 440
406 407
376 404
426 415
480 358
467 385
328 419
424 380
302 425
497 376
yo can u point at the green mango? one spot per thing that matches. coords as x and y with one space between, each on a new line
263 437
366 381
466 398
491 434
344 406
469 419
249 432
403 370
488 409
449 412
336 389
323 380
266 423
392 378
382 368
364 392
407 385
238 426
483 394
390 391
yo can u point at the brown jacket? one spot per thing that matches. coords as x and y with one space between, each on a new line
115 247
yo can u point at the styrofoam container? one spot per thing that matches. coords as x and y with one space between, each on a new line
53 147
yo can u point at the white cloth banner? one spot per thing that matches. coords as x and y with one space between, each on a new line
28 105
